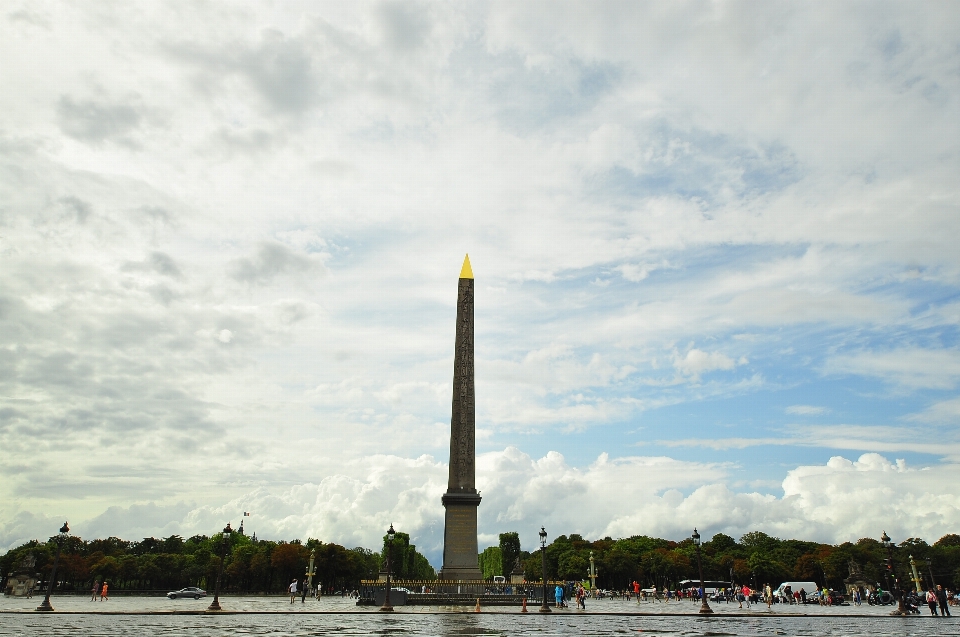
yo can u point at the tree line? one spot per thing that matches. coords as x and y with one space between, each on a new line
757 558
265 566
251 565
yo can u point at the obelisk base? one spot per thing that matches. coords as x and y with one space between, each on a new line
460 552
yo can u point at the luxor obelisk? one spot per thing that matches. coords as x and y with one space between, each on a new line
461 499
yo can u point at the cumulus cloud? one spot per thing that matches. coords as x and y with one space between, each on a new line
697 362
841 500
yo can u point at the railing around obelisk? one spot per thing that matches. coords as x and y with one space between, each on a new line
455 593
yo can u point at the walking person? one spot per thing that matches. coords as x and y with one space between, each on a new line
293 590
303 593
94 590
746 594
932 601
767 595
636 590
103 591
942 599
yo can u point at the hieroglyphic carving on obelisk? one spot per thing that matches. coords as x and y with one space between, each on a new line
461 499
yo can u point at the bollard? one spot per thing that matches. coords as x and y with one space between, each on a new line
524 609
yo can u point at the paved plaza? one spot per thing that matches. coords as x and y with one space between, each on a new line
281 604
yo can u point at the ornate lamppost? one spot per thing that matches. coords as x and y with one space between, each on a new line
224 540
916 576
704 606
544 608
45 606
387 608
310 572
885 539
593 575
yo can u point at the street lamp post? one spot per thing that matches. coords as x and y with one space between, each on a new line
544 608
45 606
593 575
387 608
896 582
933 582
916 575
704 606
310 572
224 540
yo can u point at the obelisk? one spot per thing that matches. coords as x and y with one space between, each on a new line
461 499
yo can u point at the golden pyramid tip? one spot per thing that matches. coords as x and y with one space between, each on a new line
466 272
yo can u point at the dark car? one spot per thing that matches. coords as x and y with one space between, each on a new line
190 591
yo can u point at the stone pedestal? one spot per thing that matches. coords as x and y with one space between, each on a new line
460 537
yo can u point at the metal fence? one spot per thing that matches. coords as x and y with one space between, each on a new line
456 592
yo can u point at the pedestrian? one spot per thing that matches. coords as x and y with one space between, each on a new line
293 590
942 599
303 593
103 591
746 594
558 596
94 590
767 595
931 598
636 591
856 596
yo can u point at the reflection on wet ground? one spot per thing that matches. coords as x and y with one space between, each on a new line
275 616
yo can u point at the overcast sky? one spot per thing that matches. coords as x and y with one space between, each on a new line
715 250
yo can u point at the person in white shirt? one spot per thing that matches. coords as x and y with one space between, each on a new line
293 590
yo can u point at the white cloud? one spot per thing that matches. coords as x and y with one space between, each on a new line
697 362
879 438
806 410
635 272
911 368
942 412
841 500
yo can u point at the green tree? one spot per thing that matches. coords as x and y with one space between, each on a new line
618 568
406 562
509 552
289 560
490 562
572 566
951 539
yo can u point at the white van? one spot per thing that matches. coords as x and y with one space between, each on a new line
808 587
